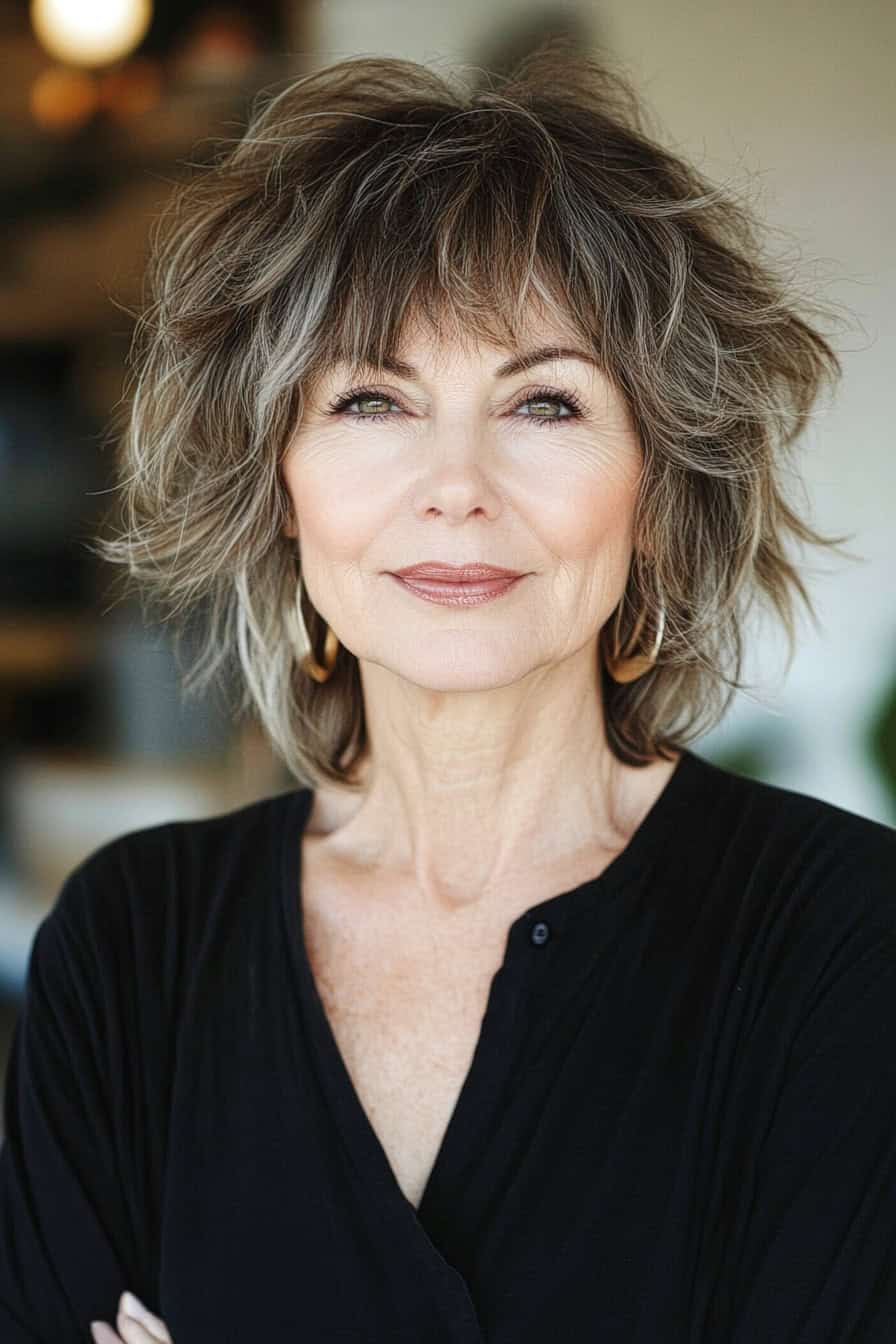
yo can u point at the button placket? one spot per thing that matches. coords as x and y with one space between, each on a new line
543 938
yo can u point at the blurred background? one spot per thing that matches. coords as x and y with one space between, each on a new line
106 104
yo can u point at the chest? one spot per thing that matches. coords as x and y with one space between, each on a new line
406 1019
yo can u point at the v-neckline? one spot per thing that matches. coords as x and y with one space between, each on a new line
362 1144
404 1224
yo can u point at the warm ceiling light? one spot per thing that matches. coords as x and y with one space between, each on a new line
63 99
90 32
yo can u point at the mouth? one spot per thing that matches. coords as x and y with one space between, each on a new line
442 572
454 593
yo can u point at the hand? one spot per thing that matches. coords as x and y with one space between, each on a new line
135 1325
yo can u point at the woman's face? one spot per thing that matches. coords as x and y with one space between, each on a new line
465 463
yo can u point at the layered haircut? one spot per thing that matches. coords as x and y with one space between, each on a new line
376 191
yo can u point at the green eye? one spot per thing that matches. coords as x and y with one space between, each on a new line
544 396
360 394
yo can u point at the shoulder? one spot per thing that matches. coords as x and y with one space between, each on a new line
160 881
152 918
799 859
800 823
794 902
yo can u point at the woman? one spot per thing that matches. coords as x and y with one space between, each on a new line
518 1019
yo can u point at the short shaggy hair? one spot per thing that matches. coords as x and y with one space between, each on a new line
375 190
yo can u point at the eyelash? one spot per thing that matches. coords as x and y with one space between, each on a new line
540 394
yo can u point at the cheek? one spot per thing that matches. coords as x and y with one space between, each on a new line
590 514
337 510
581 487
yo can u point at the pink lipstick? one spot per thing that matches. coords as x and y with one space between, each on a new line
463 594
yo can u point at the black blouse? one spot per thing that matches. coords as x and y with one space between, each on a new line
678 1125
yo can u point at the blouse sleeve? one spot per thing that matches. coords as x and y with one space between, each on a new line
64 1225
818 1262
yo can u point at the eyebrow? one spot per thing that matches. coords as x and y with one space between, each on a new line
516 364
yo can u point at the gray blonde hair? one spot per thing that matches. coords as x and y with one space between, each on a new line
375 189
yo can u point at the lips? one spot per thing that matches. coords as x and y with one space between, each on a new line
444 573
469 593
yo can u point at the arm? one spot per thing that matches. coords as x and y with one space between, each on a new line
816 1262
64 1226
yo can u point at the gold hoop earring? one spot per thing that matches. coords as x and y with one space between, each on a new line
302 641
622 665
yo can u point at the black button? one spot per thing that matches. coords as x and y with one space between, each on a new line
540 933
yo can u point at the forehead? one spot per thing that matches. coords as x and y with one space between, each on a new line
427 338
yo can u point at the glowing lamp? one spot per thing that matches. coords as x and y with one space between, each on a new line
90 32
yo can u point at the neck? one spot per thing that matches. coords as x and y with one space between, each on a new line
471 798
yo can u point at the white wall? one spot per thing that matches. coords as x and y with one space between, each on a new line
794 105
796 102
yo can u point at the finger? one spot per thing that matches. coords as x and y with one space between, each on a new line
133 1332
103 1333
154 1326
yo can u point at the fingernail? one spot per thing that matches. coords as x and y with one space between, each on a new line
101 1332
133 1307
